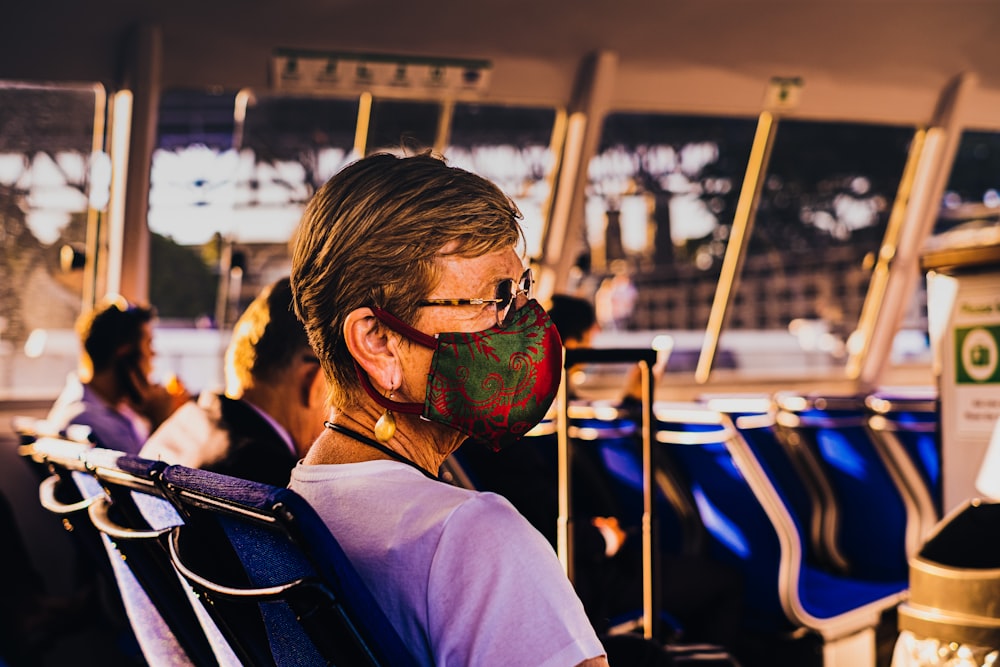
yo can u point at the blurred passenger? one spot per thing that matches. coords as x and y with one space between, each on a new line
273 407
615 298
111 392
408 281
576 320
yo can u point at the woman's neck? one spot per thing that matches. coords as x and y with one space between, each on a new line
425 444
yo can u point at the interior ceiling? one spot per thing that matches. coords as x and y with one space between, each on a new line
226 42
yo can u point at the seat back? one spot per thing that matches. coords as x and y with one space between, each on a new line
67 492
29 429
875 508
611 437
158 607
139 518
740 531
251 548
910 421
794 470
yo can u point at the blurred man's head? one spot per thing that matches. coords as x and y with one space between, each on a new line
266 340
574 319
270 364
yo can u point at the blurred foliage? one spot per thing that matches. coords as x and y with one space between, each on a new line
181 284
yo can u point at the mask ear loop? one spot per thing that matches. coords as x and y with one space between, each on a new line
402 408
385 427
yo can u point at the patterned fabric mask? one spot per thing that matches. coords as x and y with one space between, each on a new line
493 385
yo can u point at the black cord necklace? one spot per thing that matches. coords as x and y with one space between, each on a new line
365 440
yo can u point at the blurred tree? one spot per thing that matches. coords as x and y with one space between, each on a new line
181 285
19 250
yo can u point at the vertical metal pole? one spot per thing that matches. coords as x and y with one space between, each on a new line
121 127
881 274
564 524
92 281
739 237
900 255
591 99
650 550
364 121
142 78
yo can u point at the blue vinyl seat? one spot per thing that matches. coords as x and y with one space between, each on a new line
254 551
909 420
610 433
751 528
216 570
795 471
880 520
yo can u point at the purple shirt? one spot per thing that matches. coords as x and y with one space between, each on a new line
113 427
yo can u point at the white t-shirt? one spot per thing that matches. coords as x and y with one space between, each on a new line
462 576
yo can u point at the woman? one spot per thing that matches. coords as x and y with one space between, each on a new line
407 279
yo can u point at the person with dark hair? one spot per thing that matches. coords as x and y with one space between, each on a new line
111 393
576 320
574 317
273 406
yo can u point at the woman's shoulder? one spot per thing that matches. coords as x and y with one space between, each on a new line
489 518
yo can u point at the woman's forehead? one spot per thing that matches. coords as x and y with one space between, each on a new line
488 268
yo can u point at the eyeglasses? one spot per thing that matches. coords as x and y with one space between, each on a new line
504 298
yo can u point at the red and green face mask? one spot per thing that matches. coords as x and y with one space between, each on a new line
493 385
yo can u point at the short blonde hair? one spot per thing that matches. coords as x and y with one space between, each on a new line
370 237
267 340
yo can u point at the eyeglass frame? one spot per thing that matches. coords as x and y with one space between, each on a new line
515 291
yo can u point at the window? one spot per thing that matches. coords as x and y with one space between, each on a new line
510 146
191 199
660 208
661 194
53 182
231 177
822 214
406 126
972 196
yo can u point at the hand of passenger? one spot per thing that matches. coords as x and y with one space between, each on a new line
612 532
159 401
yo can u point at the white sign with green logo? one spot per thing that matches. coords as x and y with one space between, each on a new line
976 358
977 354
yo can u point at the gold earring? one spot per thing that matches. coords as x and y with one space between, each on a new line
385 427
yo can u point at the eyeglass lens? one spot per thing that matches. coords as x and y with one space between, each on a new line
506 294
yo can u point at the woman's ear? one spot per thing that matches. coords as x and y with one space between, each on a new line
374 347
